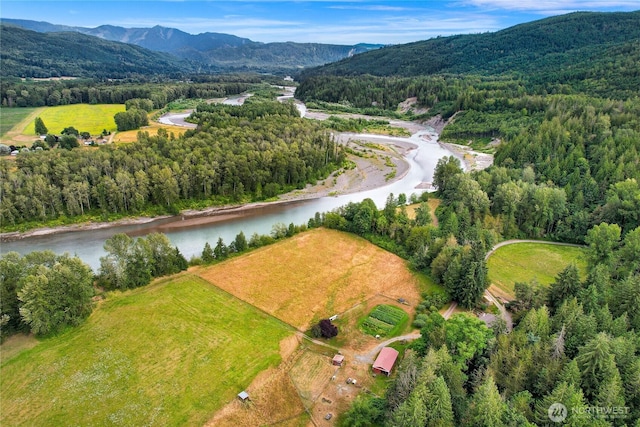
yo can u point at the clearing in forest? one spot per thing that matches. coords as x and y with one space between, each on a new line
84 117
171 353
522 262
315 275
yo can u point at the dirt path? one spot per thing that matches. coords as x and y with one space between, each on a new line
369 356
511 242
450 310
15 134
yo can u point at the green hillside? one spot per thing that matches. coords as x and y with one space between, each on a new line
539 46
30 54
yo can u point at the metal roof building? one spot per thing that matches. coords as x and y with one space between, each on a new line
385 361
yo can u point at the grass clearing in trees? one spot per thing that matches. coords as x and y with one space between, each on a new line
84 117
522 262
171 353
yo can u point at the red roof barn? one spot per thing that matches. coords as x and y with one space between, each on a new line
385 361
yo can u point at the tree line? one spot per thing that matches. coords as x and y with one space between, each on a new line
42 292
18 93
251 152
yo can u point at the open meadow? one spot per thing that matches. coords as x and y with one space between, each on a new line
132 135
522 262
315 275
84 117
10 117
171 353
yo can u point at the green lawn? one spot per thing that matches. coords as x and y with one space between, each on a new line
168 354
84 117
9 117
522 262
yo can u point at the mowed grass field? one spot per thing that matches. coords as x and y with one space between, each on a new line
9 117
521 262
84 117
171 353
315 275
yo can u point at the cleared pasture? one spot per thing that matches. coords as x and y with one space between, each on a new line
84 117
132 135
522 262
10 117
314 275
171 353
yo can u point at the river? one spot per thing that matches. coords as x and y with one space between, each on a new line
191 238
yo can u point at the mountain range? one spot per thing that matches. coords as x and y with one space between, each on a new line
580 46
214 51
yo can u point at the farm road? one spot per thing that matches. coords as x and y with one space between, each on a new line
369 355
510 242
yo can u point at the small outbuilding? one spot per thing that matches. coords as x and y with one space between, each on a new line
243 396
385 361
337 360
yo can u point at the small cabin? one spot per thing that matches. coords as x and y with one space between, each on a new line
243 396
337 360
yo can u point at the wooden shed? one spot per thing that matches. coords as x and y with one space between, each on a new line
385 361
337 360
243 395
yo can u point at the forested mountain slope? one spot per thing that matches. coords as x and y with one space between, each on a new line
540 46
31 54
214 51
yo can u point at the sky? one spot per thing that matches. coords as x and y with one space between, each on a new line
333 22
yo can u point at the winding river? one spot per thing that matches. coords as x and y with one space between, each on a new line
190 238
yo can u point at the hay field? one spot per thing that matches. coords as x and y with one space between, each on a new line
521 262
171 353
314 275
132 135
84 117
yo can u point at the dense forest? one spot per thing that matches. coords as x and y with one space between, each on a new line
561 46
566 168
30 93
238 153
29 54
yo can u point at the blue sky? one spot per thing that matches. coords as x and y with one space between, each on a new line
339 22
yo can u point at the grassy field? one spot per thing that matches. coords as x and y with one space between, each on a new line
521 262
152 129
315 275
171 353
9 117
433 204
84 117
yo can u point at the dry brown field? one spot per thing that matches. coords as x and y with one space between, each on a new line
314 275
152 129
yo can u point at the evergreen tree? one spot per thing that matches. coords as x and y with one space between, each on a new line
207 254
41 129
